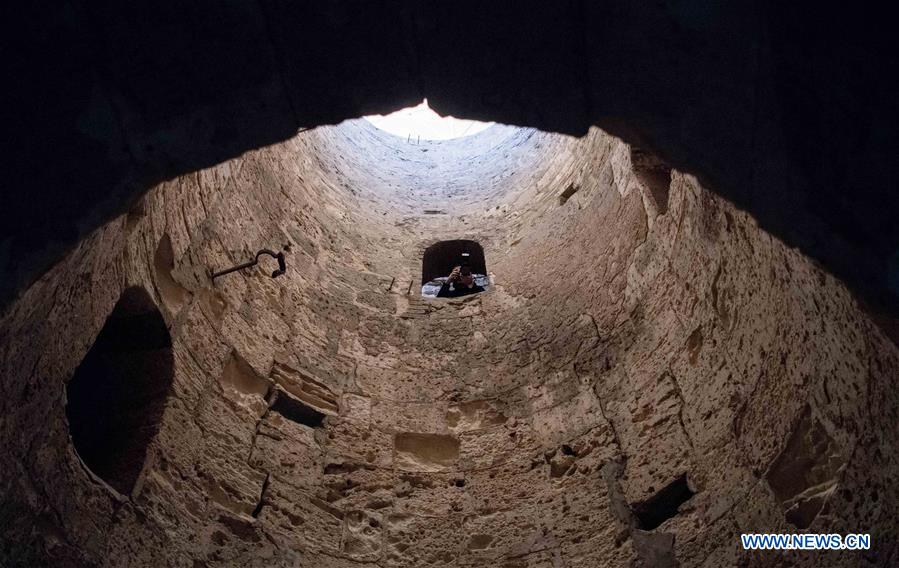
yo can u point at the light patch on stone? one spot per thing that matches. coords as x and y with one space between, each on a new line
425 452
473 415
173 294
422 123
243 386
304 387
364 535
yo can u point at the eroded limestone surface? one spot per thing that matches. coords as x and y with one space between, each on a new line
649 376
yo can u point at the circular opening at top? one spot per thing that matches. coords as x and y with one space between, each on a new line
422 123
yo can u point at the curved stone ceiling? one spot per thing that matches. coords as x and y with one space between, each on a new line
794 128
650 374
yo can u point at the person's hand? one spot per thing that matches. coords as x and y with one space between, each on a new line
454 275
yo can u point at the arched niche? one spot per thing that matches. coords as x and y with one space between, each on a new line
117 395
440 258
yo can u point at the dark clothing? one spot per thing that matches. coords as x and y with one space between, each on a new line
461 290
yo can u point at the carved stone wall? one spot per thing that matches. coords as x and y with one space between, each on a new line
650 374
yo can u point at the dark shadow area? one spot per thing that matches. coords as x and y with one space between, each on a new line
439 259
798 129
806 472
663 505
117 395
294 410
567 193
654 174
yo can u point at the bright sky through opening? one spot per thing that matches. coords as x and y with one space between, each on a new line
420 122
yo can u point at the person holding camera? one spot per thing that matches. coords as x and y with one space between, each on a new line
460 283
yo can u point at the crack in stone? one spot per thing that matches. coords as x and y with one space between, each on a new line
261 502
680 410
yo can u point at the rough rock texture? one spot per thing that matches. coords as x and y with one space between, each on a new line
646 355
786 109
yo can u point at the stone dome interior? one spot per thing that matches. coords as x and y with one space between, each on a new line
649 374
684 214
